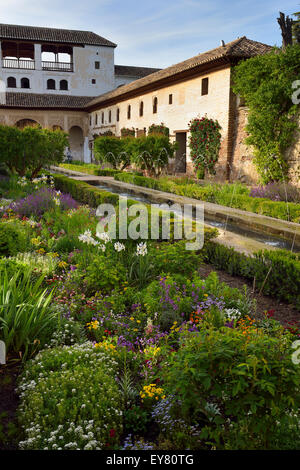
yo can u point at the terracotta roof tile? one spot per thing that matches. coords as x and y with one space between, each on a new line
37 100
131 71
66 36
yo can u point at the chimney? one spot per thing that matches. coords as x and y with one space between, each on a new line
222 43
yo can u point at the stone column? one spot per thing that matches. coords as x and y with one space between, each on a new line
38 56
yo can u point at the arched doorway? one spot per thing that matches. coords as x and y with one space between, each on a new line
76 142
26 122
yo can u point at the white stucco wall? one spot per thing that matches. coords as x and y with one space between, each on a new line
187 104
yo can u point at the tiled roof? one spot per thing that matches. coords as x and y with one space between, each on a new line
37 100
131 71
66 36
237 49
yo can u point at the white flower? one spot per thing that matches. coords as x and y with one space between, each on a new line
103 236
101 247
87 237
57 201
119 246
141 249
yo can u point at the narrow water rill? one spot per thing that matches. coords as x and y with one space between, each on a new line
262 237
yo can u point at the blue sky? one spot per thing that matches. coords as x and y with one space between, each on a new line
156 33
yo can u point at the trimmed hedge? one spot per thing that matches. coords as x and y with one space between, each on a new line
84 192
209 193
278 272
90 169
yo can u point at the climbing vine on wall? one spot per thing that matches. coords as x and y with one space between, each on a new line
204 144
266 84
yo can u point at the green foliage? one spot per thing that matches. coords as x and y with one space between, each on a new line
159 129
31 148
84 192
296 27
127 132
112 150
70 400
89 168
265 82
277 272
151 152
204 143
248 379
13 238
26 320
104 274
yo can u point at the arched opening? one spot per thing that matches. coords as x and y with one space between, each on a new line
155 105
129 112
118 114
26 122
109 116
11 82
25 83
63 85
76 142
51 84
141 108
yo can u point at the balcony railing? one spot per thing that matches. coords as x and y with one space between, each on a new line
58 66
18 64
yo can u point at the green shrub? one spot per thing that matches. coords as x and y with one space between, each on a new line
239 385
112 150
276 272
89 168
84 192
13 238
70 400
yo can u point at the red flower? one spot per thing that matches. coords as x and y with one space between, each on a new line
112 433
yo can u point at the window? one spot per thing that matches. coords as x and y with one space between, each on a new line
102 118
63 85
204 88
141 108
129 112
109 116
25 83
155 105
118 114
170 99
50 84
93 81
97 65
96 119
11 82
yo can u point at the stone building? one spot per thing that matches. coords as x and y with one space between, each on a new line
49 75
68 79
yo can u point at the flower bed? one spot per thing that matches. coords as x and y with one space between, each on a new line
183 361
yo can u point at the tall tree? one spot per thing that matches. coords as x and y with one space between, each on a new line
296 27
285 23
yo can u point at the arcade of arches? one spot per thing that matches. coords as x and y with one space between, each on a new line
75 123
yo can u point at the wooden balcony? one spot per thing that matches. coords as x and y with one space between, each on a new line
58 66
26 64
